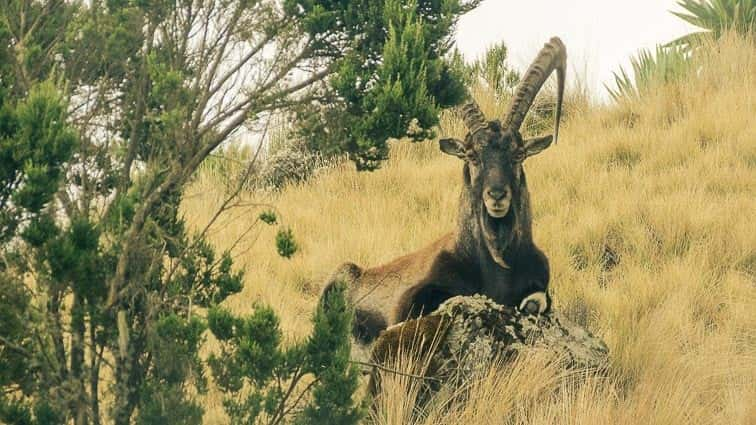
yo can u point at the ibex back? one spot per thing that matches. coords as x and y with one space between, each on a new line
492 250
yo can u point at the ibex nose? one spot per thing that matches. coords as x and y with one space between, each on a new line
498 194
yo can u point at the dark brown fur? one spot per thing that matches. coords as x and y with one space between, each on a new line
459 263
492 251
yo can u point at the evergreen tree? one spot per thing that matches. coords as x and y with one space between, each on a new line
107 108
266 382
392 80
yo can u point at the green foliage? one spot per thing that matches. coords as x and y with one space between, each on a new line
328 351
402 81
207 279
174 344
35 143
649 69
163 405
671 61
459 68
266 382
103 43
107 109
13 412
285 243
14 359
268 217
74 259
495 72
392 82
716 17
29 36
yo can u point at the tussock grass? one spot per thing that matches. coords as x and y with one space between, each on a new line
646 210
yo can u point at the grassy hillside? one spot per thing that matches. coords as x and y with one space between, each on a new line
647 211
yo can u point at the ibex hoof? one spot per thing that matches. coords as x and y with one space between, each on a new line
535 303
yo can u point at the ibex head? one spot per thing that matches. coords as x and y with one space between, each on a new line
493 151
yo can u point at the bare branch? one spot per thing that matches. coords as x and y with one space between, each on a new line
225 37
224 205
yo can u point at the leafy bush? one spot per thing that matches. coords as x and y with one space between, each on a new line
671 61
715 17
491 70
268 217
377 96
287 165
495 72
649 68
311 382
104 284
285 243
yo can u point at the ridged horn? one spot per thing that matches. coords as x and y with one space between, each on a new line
552 57
472 116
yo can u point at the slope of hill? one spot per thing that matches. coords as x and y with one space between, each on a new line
646 210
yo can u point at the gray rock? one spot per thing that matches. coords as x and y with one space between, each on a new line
467 333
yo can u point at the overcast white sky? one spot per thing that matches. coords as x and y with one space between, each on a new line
600 35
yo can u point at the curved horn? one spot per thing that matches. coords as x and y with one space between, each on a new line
472 116
552 57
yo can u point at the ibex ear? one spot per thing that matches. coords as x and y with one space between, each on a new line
537 144
452 147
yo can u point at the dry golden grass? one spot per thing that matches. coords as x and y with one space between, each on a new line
647 211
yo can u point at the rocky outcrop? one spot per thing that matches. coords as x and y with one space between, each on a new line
464 334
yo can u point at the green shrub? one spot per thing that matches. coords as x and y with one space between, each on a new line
715 17
288 165
649 69
311 382
494 70
285 243
671 61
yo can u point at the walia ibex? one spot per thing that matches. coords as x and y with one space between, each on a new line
492 251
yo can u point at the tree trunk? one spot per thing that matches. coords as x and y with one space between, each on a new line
94 372
79 404
123 407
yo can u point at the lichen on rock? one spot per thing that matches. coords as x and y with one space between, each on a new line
465 334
